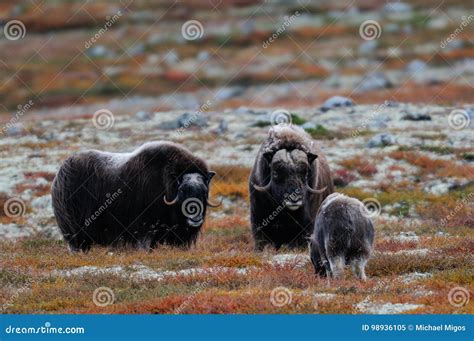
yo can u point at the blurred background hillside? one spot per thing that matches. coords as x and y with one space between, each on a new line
159 55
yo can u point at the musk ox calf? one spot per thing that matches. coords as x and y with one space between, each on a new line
289 180
156 194
343 234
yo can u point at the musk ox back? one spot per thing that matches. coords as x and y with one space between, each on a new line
289 180
156 194
343 234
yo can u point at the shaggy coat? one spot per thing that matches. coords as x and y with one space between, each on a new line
289 180
343 234
118 199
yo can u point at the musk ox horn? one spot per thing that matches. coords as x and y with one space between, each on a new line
264 188
316 191
169 203
211 204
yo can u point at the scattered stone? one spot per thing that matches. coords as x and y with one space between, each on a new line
397 7
143 116
415 276
336 102
368 307
98 51
283 259
415 66
442 186
186 120
368 47
171 57
16 129
222 128
324 296
137 49
381 140
416 116
230 92
408 236
374 81
308 126
203 56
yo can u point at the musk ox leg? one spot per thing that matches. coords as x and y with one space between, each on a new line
337 264
358 267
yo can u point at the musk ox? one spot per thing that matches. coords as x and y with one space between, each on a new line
343 234
289 180
157 194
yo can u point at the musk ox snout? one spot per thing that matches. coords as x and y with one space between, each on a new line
343 234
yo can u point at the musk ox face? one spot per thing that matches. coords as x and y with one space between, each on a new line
289 177
191 198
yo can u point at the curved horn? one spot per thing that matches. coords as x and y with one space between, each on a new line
172 202
211 204
312 190
264 188
316 191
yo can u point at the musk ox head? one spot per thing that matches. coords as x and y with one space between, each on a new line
290 177
191 199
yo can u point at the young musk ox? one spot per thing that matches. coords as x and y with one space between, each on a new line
343 234
156 194
289 180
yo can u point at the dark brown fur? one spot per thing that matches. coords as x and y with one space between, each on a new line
138 215
287 227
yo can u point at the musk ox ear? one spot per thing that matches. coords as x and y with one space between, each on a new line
312 157
210 175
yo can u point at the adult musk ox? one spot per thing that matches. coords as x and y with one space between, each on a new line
343 234
289 180
156 194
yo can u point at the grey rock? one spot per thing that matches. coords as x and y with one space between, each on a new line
202 56
308 125
98 51
336 102
397 7
374 81
416 116
368 47
223 127
16 129
143 115
137 49
171 57
186 120
381 140
230 92
416 65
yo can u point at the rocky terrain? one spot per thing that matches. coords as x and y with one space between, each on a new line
394 115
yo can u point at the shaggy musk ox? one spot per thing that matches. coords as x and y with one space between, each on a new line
343 234
289 180
156 194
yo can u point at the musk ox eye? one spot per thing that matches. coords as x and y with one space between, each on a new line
275 174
